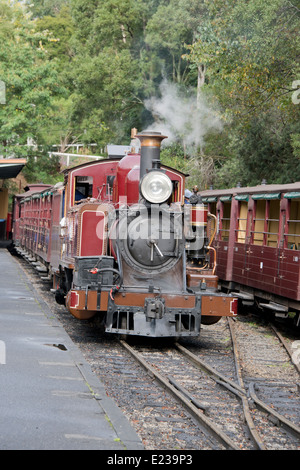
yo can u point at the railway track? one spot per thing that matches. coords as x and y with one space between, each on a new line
193 405
272 383
214 410
213 387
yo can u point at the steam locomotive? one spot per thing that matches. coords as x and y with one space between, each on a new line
117 239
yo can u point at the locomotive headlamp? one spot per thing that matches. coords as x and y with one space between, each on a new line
156 187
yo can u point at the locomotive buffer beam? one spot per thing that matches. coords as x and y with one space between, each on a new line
153 318
93 287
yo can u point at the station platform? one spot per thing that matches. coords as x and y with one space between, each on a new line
49 397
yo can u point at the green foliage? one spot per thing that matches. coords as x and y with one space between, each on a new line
173 156
41 8
58 31
251 57
42 169
169 30
295 142
31 82
267 152
82 71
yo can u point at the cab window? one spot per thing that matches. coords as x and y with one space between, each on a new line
83 187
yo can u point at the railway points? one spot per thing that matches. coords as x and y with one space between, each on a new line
50 399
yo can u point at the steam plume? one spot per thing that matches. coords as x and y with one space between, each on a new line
178 116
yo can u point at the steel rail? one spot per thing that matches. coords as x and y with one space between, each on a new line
237 389
275 417
251 426
278 419
185 399
285 345
214 374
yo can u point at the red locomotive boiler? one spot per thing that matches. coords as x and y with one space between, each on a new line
117 239
258 245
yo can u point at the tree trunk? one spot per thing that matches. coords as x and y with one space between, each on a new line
201 80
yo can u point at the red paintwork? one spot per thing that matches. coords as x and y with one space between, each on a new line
19 210
92 224
120 188
264 269
132 185
57 234
8 225
198 215
126 184
271 269
222 256
99 171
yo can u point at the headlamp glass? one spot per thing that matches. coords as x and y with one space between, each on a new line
156 187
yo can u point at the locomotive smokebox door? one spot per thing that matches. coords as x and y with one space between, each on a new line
151 240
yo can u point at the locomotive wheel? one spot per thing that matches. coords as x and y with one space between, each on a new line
60 297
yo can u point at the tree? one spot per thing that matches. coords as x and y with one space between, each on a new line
31 83
58 31
105 74
251 73
169 30
41 8
79 70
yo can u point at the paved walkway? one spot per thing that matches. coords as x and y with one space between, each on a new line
49 397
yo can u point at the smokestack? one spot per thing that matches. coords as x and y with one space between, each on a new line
150 150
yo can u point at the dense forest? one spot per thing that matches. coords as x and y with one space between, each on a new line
220 77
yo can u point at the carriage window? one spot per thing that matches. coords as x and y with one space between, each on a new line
212 208
259 223
83 187
242 222
293 239
225 221
273 223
